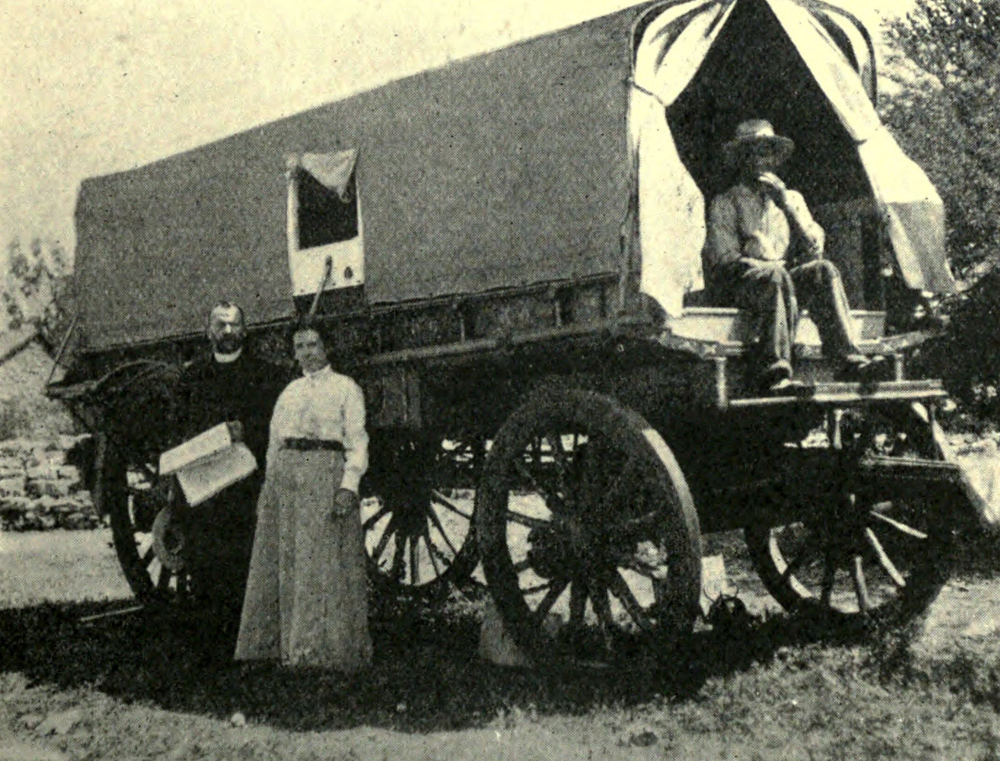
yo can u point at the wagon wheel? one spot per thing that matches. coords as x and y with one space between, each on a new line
870 555
588 532
417 511
146 537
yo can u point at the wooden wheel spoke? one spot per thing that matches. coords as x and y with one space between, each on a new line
556 588
383 541
447 503
559 453
883 559
562 460
430 553
548 495
602 608
620 589
527 520
577 604
376 517
414 560
522 565
147 557
535 589
398 559
436 552
440 527
163 581
898 525
860 585
829 576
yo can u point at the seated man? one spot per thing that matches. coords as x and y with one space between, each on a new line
764 251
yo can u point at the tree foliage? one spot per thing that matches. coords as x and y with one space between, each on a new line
954 130
949 122
36 289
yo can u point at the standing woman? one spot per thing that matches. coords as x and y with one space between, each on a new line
306 601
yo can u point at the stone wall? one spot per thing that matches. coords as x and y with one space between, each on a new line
41 488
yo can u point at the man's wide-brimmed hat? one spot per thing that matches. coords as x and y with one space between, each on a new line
754 132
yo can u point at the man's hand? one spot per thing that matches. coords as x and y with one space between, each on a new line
775 186
235 430
759 248
345 502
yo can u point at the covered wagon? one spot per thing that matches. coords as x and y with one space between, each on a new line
506 253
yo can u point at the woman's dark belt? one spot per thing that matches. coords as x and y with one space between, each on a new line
308 445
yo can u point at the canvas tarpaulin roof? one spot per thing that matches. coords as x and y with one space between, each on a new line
671 227
499 171
510 168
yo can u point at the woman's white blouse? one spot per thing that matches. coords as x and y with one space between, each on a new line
324 405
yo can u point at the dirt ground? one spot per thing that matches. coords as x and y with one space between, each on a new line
151 685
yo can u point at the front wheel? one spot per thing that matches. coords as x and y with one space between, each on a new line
148 539
869 553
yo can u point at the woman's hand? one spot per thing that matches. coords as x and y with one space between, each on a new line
345 502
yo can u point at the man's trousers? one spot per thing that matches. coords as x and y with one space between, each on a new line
772 294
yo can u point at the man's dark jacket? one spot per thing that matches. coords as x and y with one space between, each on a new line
211 392
221 530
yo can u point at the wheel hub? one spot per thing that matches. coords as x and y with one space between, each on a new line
571 546
556 551
168 540
146 504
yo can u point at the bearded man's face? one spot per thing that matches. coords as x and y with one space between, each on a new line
226 329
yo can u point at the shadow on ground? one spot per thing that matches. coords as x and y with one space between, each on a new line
427 675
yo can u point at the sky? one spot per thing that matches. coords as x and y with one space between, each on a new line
98 86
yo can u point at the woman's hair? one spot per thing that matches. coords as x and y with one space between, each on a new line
306 322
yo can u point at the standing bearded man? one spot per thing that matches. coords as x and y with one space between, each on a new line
228 385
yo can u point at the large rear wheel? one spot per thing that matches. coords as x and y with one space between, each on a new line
146 535
588 532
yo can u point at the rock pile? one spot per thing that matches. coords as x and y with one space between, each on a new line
40 488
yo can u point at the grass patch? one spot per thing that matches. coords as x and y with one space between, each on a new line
160 684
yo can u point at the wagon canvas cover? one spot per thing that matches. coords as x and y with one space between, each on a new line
504 169
510 168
